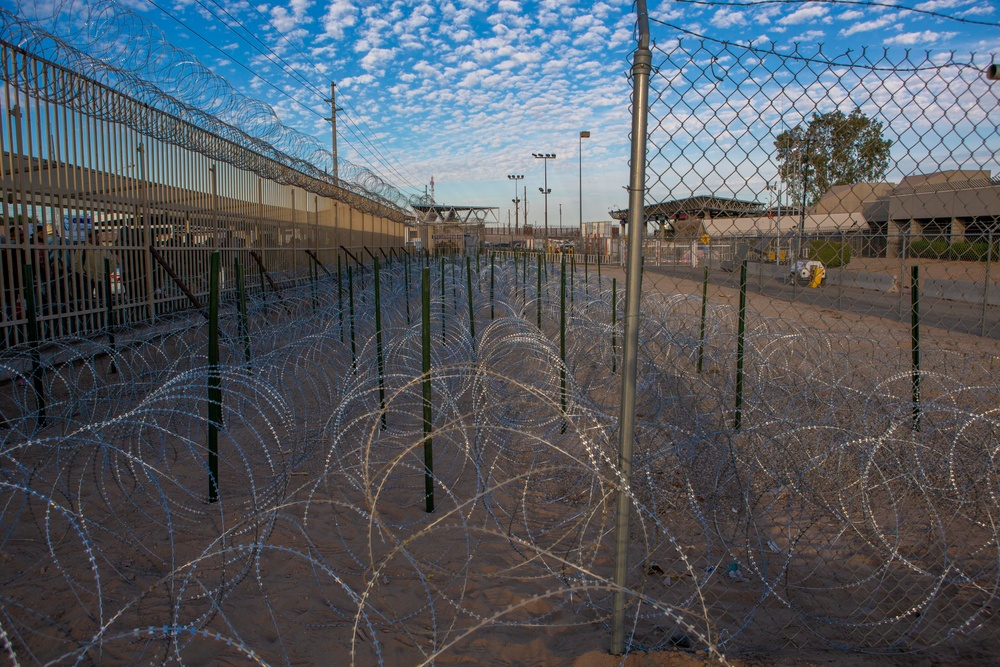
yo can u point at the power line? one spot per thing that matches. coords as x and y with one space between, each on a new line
288 68
808 59
229 57
294 46
268 53
298 77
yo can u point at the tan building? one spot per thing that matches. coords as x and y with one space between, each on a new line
956 205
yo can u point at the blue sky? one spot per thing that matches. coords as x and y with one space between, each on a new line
465 91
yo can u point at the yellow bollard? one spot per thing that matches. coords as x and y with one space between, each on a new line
818 273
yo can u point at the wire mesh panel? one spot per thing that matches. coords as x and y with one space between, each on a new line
857 165
841 216
91 174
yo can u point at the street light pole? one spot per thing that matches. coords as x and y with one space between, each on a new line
516 178
583 135
545 157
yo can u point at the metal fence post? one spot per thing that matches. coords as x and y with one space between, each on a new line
37 381
704 308
641 66
915 342
986 280
740 336
425 300
110 308
378 344
214 381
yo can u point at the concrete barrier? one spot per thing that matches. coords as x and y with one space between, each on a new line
960 290
879 282
770 270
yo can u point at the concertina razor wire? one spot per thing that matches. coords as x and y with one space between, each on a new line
825 521
830 519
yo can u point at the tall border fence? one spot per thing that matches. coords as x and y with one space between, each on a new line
90 174
850 206
869 162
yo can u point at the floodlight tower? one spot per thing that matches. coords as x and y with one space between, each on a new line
516 178
545 157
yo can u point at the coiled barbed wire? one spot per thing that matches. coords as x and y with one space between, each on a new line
111 44
825 521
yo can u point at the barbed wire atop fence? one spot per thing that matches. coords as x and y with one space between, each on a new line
110 43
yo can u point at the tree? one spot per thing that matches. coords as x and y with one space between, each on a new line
831 149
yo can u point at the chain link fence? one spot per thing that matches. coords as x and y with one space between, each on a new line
832 222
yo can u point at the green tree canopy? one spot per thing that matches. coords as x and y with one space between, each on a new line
831 149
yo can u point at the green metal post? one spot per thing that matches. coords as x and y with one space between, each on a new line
614 324
915 341
599 272
472 312
704 309
586 276
378 343
492 262
350 317
442 300
572 286
741 332
37 382
538 302
562 339
314 274
524 281
406 278
340 298
109 306
214 381
242 305
425 297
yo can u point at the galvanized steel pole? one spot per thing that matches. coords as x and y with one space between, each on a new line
641 62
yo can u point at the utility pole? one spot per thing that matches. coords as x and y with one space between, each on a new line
333 125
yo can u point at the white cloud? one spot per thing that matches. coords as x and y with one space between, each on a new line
911 38
850 15
375 59
808 12
978 10
809 36
286 20
362 80
340 14
766 14
865 26
936 5
726 18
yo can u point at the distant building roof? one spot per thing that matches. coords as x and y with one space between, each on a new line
698 206
849 198
434 213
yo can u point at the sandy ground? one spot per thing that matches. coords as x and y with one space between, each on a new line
338 563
